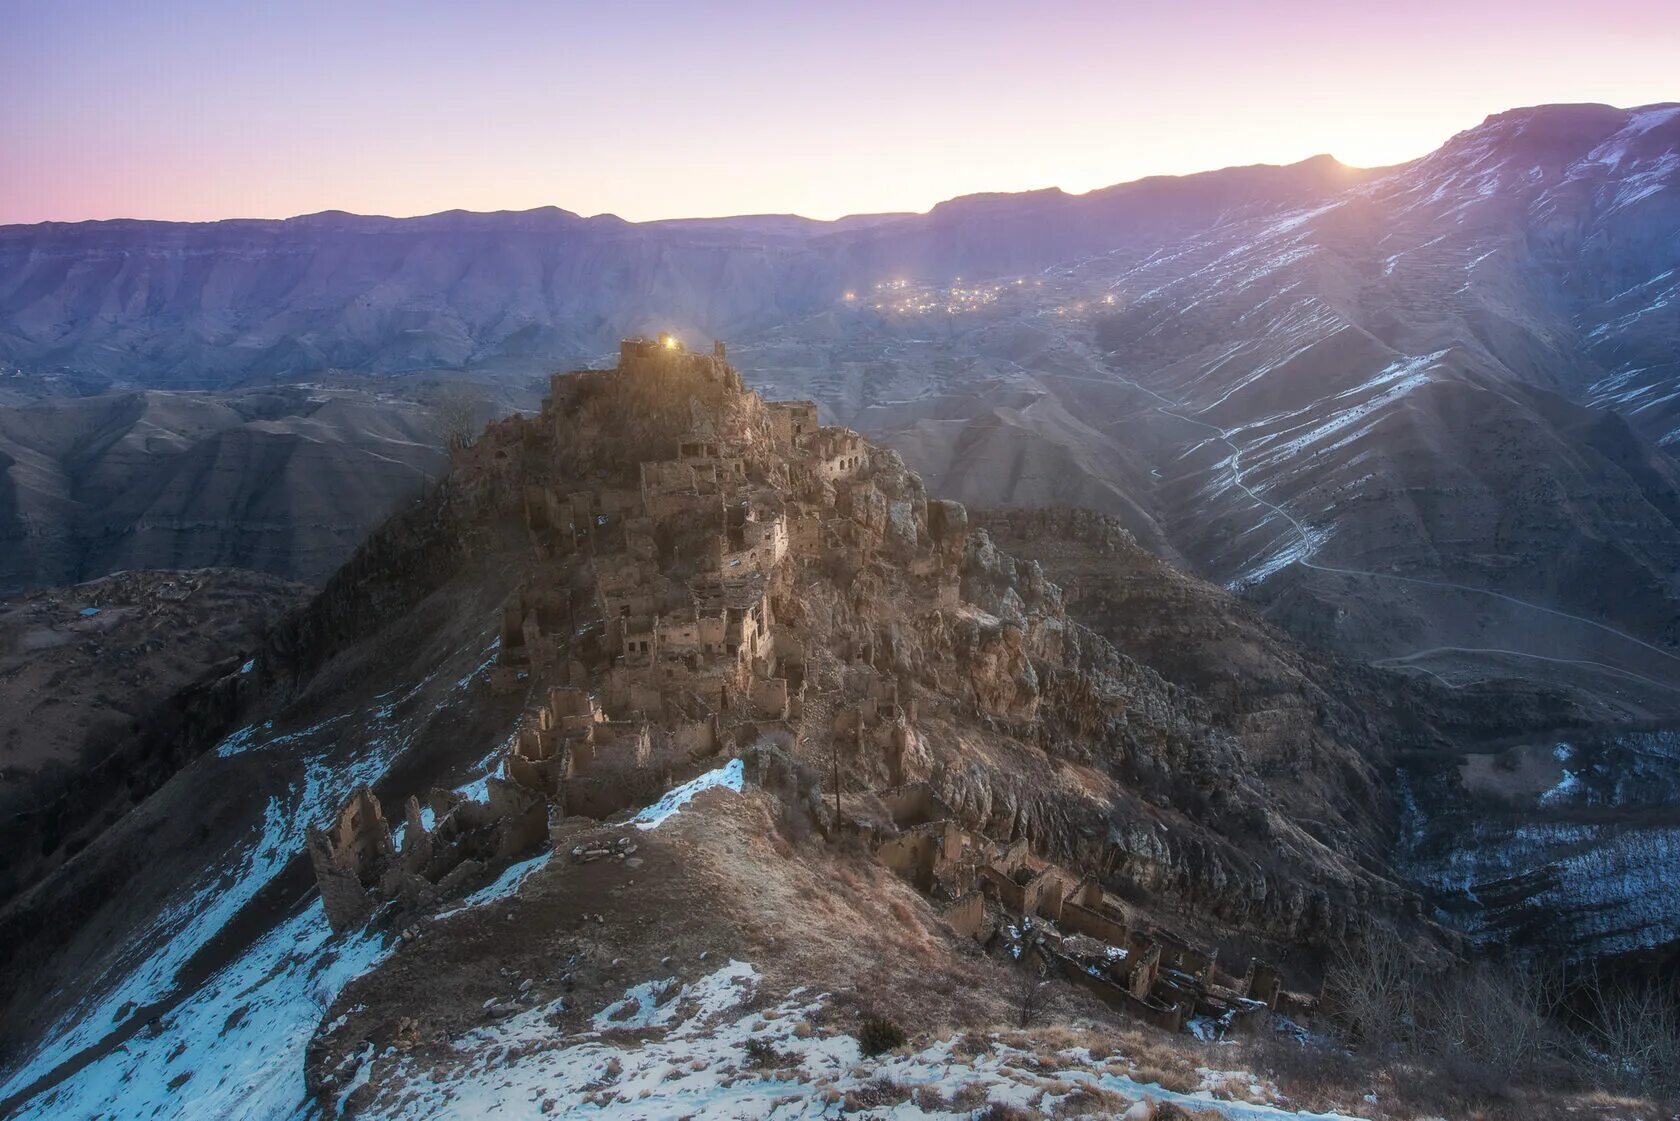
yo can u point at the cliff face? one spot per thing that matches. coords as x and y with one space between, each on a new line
1296 709
1520 816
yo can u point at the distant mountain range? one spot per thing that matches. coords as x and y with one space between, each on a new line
1421 415
205 305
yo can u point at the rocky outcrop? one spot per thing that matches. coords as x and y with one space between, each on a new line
896 636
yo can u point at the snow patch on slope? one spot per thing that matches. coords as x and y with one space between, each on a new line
145 971
235 1048
729 776
664 1050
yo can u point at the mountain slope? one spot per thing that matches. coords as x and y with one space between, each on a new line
284 480
1371 399
1375 414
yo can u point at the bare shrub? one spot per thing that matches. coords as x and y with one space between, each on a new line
968 1097
1092 1100
456 415
879 1034
763 1053
1636 1030
875 1094
1492 1016
929 1100
1315 1078
1002 1111
1372 988
1032 992
1488 1028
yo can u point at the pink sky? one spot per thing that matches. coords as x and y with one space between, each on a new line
198 110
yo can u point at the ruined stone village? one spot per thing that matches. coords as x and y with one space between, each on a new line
664 629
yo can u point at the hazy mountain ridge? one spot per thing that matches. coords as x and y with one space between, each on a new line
1367 407
206 304
1389 367
1372 412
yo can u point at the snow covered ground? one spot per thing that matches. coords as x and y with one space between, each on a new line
667 1049
235 1048
239 1037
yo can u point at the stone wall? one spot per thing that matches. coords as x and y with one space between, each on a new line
967 915
1077 919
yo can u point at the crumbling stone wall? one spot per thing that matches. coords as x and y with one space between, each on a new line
1263 983
1077 919
792 421
967 915
350 857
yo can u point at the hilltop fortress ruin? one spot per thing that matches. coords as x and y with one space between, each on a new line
711 576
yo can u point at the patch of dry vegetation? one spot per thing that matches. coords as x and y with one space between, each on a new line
1494 1041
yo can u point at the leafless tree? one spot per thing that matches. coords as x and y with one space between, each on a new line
1498 1015
456 415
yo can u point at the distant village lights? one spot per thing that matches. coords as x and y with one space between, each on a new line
900 297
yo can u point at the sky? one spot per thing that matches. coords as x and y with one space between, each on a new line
203 110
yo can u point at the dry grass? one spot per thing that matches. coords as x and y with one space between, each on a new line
1087 1100
1322 1080
970 1096
1167 1111
998 1111
1179 1081
929 1100
712 889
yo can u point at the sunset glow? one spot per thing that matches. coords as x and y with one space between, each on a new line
648 111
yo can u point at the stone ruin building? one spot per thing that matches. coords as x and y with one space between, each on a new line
685 641
449 844
671 513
